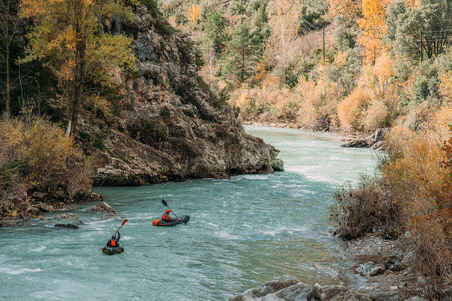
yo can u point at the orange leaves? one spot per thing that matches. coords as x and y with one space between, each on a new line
374 28
194 13
261 72
446 86
351 108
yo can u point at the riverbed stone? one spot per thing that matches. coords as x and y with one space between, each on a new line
377 270
44 207
68 226
416 298
103 207
394 264
67 216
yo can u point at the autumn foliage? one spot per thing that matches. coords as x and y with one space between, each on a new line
35 155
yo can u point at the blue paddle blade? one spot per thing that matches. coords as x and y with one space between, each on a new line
164 203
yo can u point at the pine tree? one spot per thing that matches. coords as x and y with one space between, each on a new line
240 59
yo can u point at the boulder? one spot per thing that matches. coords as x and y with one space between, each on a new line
299 291
44 207
278 165
32 211
377 270
69 226
416 298
394 264
66 216
39 196
103 207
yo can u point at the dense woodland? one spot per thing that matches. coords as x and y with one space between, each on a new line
347 65
59 58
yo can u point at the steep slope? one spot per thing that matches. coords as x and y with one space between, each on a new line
171 126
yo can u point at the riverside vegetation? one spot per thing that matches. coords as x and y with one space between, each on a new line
113 94
353 66
107 93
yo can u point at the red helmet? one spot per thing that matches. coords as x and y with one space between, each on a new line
168 211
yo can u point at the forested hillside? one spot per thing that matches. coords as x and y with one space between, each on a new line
354 66
349 65
107 93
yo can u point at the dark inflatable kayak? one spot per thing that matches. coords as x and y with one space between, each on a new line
181 220
112 250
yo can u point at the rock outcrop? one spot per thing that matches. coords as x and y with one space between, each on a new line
171 126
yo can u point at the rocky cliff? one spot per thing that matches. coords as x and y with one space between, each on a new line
171 126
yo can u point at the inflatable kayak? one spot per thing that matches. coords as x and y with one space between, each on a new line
112 250
181 220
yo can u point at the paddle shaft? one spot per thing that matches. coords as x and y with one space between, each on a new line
166 205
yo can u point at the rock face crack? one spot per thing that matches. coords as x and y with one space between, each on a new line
171 126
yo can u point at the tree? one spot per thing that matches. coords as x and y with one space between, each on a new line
239 60
347 9
312 17
194 13
9 23
68 39
420 31
216 31
373 25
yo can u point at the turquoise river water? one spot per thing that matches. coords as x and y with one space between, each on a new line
243 232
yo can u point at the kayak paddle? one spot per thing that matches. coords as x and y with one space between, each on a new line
122 224
166 205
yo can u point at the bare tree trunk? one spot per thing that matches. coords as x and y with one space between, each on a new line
8 81
79 74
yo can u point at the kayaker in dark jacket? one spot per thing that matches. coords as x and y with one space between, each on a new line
114 241
166 216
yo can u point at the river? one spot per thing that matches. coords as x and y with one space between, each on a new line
243 232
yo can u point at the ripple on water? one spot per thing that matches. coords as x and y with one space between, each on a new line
243 231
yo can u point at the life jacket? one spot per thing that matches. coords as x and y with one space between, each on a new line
166 217
113 243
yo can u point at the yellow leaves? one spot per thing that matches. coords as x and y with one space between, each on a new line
350 109
441 121
32 8
341 59
261 72
446 86
374 28
64 41
375 116
10 134
194 13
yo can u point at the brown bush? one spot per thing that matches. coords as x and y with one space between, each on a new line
350 110
414 196
367 209
35 155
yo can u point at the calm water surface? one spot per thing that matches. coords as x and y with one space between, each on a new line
243 232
